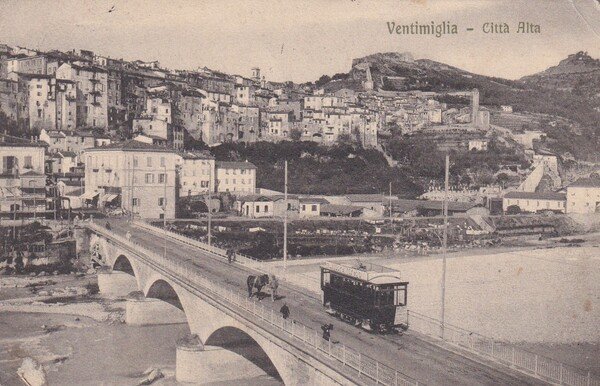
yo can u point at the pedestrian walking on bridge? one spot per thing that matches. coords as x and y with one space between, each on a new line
285 311
273 285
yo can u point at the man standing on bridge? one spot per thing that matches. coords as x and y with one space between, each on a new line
285 311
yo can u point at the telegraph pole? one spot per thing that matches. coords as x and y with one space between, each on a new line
209 204
285 219
165 214
391 221
445 245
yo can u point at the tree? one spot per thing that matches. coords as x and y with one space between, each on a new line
502 179
513 209
295 134
344 139
323 80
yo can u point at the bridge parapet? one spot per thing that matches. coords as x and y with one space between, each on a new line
245 260
338 356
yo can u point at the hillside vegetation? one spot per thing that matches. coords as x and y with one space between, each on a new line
314 169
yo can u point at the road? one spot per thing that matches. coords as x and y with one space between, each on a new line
409 353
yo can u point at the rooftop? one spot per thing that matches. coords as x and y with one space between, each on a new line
585 183
10 141
132 145
365 197
235 165
537 195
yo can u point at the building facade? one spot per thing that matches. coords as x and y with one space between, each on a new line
140 175
235 177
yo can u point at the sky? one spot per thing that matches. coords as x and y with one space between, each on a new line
301 40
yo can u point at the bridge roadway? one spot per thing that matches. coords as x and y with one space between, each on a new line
413 355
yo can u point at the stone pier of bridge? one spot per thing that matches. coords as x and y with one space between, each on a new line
229 346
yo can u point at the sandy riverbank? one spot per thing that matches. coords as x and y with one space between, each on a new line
80 339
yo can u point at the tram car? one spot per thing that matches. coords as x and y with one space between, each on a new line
364 294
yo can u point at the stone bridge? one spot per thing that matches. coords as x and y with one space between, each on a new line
236 336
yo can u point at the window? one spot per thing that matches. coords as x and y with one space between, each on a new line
266 208
289 206
257 209
162 178
149 178
28 163
314 208
149 161
136 202
161 202
135 161
303 207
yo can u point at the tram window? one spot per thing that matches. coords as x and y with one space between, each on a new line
400 296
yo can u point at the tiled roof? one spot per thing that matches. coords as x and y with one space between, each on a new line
196 155
132 145
313 200
235 165
254 198
340 209
453 206
365 197
537 195
585 183
9 140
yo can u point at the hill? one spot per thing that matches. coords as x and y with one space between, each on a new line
570 90
314 169
578 74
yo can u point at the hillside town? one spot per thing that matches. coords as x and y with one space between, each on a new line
276 193
91 135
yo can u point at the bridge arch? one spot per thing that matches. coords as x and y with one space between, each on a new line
181 302
123 264
244 344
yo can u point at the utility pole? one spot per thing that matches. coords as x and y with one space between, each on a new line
209 204
132 169
390 200
445 245
165 214
285 219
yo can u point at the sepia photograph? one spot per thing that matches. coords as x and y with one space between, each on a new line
299 192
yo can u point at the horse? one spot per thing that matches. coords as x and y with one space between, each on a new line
257 282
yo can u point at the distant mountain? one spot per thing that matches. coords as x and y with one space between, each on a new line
578 74
399 71
570 90
579 63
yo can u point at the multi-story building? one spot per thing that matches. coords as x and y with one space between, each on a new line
235 177
37 64
73 141
583 196
248 122
92 97
52 103
535 202
196 173
22 178
142 177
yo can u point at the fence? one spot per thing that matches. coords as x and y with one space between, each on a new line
505 353
362 365
189 240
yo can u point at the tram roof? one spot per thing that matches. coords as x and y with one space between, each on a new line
368 272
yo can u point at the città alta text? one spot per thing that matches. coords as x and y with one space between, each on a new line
416 28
